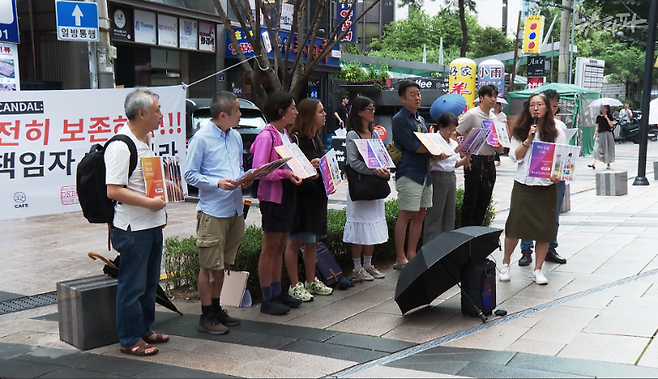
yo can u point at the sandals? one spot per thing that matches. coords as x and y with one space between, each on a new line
156 337
140 349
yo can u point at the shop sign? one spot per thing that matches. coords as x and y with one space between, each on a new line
188 34
121 28
295 47
144 27
536 66
534 83
207 36
9 78
342 10
45 134
167 31
287 11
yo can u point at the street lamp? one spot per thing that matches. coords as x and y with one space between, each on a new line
641 179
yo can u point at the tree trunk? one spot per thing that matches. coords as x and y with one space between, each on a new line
462 19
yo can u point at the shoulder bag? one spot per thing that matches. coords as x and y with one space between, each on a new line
366 187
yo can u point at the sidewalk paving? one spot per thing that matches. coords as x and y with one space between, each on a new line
594 319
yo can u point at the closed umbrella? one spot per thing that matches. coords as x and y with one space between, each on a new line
437 266
111 269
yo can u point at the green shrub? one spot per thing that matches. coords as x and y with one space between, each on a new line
181 261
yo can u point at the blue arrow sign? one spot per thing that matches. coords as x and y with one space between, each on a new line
77 21
9 22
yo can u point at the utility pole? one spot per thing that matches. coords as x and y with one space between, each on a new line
516 50
563 60
104 52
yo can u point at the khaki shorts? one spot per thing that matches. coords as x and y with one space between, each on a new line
413 196
218 240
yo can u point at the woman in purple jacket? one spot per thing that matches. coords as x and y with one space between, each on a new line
277 200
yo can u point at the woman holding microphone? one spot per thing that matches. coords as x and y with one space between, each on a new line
533 206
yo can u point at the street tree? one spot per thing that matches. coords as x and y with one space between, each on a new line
284 74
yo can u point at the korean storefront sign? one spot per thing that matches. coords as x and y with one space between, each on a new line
342 10
45 134
207 35
167 31
295 47
145 27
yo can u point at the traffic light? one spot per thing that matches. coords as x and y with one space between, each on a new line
534 30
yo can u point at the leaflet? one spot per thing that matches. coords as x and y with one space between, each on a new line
330 172
435 143
374 153
498 136
548 159
261 171
298 163
162 177
474 141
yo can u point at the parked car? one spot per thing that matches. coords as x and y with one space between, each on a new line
252 122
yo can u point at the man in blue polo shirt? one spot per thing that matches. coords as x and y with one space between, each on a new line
214 161
413 180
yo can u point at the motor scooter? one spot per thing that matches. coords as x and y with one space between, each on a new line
631 131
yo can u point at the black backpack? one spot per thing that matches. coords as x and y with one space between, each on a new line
90 181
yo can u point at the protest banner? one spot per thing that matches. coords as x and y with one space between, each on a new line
45 134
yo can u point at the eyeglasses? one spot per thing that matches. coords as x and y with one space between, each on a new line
370 109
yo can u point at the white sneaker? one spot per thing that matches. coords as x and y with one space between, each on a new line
504 273
539 277
375 273
362 276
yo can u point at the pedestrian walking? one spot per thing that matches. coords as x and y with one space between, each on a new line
311 211
440 217
366 219
277 198
533 205
604 147
136 231
214 161
341 113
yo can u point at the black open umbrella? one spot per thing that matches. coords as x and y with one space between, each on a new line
436 267
111 269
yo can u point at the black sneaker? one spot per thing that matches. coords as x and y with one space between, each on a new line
553 256
211 325
526 258
274 307
289 300
225 319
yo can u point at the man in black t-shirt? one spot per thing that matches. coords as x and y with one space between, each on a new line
341 113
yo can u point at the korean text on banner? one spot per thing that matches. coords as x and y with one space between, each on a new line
44 134
498 136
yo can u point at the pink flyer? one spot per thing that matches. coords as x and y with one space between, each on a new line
541 159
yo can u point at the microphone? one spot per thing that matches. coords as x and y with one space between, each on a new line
534 120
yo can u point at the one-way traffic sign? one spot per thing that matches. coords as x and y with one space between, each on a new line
8 22
77 21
